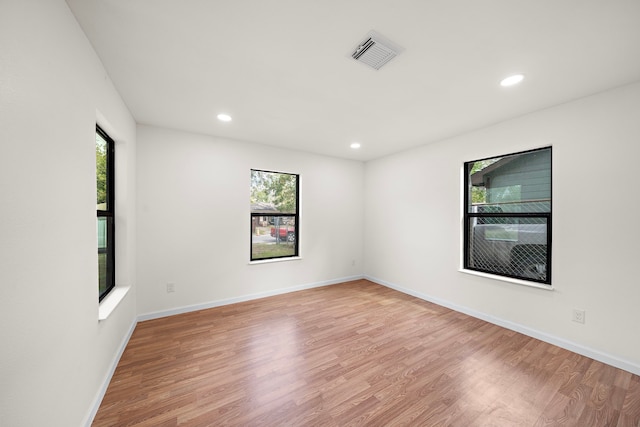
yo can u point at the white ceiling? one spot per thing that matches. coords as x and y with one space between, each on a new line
282 68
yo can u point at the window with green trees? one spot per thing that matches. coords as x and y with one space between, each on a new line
274 214
105 195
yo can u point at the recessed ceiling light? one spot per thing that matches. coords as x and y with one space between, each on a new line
355 145
512 80
224 117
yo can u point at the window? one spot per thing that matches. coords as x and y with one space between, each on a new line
507 215
274 215
105 212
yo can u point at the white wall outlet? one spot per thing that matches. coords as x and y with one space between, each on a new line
578 315
171 287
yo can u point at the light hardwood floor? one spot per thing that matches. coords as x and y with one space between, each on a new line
355 354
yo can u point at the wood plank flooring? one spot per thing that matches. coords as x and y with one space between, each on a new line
356 354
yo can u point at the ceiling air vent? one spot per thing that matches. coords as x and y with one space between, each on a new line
375 50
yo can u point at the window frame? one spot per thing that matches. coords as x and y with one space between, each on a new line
296 216
109 215
469 217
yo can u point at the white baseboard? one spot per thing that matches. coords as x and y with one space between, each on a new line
542 336
219 303
105 383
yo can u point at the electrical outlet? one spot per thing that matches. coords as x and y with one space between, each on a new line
578 315
171 287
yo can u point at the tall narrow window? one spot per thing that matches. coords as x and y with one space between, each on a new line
105 212
507 215
274 215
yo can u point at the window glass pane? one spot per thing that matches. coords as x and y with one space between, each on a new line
101 173
273 236
508 215
516 183
274 215
105 214
273 192
515 247
102 254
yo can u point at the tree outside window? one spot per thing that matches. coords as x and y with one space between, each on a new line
105 196
274 215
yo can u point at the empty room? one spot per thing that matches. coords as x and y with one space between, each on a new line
319 213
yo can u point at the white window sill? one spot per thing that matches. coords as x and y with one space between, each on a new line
269 261
111 301
508 279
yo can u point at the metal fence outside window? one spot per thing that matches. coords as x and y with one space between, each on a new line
510 239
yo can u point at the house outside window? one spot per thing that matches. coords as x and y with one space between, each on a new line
507 216
274 215
105 207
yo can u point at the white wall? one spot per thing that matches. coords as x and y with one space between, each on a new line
55 355
193 220
413 224
194 223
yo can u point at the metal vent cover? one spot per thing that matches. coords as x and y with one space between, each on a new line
375 50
